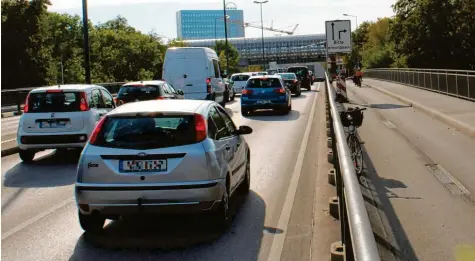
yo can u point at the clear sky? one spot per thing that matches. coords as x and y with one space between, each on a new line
159 15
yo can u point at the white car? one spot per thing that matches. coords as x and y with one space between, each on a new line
239 81
196 71
61 117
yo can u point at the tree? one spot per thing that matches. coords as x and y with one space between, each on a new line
220 48
177 43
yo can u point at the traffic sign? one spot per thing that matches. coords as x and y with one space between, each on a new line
338 34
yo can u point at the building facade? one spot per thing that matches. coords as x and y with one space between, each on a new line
281 49
209 24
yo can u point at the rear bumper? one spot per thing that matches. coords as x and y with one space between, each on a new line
123 199
52 141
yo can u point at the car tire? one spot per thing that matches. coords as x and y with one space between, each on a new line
222 217
299 92
27 156
233 96
91 223
244 112
246 184
226 96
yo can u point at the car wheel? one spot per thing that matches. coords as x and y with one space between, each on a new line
299 92
27 155
222 216
246 184
91 223
226 96
244 112
233 96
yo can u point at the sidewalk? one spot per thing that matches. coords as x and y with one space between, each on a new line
454 111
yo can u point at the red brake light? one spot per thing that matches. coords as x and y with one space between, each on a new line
247 92
160 98
295 81
208 80
83 102
200 127
279 90
27 100
97 129
208 85
54 91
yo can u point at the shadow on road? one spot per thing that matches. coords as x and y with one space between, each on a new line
270 115
52 170
388 106
302 96
180 237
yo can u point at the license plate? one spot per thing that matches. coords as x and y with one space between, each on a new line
263 102
54 124
143 165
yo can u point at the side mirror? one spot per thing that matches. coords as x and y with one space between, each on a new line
243 130
224 75
180 92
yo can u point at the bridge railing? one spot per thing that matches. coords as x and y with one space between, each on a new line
457 83
357 238
13 100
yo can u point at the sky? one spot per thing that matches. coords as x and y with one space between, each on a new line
160 15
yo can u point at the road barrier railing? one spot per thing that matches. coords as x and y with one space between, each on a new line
357 238
16 98
457 83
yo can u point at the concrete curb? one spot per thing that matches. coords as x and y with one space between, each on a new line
463 127
10 151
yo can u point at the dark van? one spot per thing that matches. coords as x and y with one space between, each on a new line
303 75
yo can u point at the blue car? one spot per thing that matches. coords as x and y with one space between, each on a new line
265 92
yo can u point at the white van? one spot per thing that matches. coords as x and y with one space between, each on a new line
196 71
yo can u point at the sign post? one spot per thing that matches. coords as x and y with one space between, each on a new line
338 36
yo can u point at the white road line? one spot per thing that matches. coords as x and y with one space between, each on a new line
5 141
35 218
279 239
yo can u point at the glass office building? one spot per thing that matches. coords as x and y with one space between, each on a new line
281 49
208 24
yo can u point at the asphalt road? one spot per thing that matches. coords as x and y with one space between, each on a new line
285 216
420 182
9 128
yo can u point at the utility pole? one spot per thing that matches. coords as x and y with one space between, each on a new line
85 30
226 36
262 31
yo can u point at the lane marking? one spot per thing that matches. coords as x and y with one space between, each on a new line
5 141
449 181
279 239
389 124
32 220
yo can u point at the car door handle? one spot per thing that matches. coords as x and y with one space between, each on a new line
228 147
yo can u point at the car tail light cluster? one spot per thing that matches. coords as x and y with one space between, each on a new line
246 92
83 105
27 101
294 81
200 127
279 90
96 131
208 85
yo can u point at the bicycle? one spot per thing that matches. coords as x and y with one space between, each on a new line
352 118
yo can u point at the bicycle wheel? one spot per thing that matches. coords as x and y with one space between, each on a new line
356 153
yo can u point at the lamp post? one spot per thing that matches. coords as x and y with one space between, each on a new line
262 29
356 18
85 30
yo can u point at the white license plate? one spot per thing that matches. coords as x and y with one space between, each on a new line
143 165
56 124
263 102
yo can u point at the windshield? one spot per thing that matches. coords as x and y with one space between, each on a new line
139 91
299 71
264 83
54 102
240 78
147 132
288 76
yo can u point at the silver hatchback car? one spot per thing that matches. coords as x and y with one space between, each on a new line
162 156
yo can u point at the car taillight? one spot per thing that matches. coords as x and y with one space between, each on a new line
200 127
27 101
95 132
83 106
295 81
279 90
160 98
247 92
54 91
208 85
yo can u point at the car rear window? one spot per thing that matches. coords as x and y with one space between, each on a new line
288 76
298 71
263 83
240 78
147 132
137 91
54 102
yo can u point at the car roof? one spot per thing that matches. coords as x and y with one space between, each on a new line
154 82
68 87
187 106
264 76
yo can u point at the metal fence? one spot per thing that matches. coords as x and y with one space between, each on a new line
456 83
357 236
13 100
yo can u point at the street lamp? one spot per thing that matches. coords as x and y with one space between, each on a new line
215 35
356 17
262 27
85 30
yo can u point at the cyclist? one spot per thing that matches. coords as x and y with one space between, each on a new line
358 77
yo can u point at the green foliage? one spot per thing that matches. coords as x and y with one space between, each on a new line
177 43
233 54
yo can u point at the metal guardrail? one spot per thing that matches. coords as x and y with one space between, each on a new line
17 97
356 233
457 83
